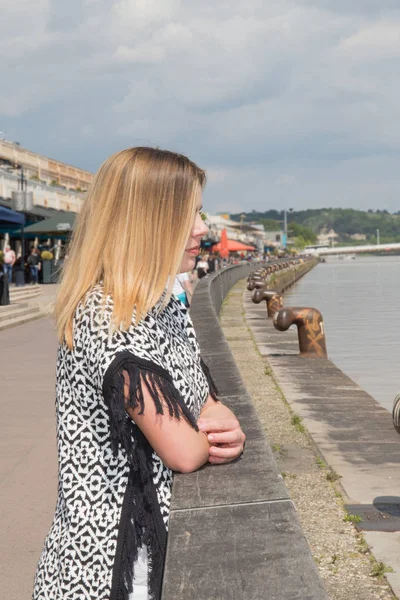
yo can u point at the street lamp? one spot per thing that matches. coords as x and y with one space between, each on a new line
285 223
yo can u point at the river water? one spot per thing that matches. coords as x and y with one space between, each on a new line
358 300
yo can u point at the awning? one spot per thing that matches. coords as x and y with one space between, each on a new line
10 216
60 224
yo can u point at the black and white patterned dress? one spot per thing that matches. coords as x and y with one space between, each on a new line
114 491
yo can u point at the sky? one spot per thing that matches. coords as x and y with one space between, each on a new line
285 103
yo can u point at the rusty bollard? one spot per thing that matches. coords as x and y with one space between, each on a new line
254 278
256 283
273 299
310 329
396 413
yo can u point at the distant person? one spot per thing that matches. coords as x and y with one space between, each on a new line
9 259
202 267
34 266
183 289
211 263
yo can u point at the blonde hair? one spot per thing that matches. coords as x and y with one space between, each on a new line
130 234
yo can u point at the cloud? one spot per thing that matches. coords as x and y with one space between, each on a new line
376 41
269 97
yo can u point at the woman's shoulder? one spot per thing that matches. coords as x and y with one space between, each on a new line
94 310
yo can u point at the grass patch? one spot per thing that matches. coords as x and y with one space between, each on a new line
321 463
363 547
348 518
297 423
332 476
379 569
279 449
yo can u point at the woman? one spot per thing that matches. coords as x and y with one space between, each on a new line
134 400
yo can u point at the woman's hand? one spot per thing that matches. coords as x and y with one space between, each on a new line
225 437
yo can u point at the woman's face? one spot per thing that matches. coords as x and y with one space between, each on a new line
199 229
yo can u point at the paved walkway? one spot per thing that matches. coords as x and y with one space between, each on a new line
351 430
28 462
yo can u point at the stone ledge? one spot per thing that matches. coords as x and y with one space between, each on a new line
233 531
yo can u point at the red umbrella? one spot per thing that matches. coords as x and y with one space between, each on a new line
227 246
223 245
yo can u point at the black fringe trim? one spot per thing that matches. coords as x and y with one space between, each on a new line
141 521
214 393
160 387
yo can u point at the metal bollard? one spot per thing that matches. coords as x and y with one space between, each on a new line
310 329
255 283
396 413
273 299
255 278
256 274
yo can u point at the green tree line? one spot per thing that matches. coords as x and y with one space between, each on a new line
344 221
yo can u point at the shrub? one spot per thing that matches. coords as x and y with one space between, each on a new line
47 255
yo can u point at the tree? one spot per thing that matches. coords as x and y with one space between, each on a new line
270 224
302 233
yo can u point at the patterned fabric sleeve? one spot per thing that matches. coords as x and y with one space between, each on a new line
141 519
158 383
211 383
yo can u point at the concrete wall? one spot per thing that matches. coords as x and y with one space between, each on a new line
234 534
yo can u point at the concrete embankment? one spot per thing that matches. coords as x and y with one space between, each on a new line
353 434
282 280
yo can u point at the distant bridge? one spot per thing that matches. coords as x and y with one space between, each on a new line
353 249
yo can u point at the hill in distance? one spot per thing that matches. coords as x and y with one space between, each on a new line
346 222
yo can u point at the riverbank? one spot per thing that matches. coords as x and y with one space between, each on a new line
342 555
358 300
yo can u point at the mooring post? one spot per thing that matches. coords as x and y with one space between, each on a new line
272 298
310 329
396 413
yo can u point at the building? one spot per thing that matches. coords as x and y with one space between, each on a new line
42 169
326 237
35 184
275 240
